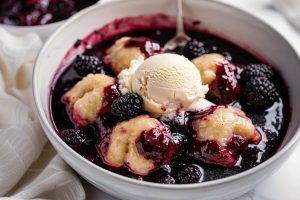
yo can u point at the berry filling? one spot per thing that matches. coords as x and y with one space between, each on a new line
225 88
111 93
146 46
194 49
112 128
156 144
39 12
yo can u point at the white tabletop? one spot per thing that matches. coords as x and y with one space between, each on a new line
284 184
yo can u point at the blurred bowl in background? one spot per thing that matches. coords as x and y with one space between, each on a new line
231 23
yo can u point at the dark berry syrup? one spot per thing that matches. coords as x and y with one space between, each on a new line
39 12
271 122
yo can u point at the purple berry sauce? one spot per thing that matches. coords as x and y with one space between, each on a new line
225 88
271 122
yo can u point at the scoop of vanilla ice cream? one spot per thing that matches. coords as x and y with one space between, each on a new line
166 82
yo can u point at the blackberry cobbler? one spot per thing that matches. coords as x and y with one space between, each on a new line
202 112
39 12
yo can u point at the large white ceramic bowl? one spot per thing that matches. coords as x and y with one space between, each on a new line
231 23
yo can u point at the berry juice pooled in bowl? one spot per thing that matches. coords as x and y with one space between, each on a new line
202 112
39 12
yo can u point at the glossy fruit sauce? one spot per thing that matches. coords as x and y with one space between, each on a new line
271 122
39 12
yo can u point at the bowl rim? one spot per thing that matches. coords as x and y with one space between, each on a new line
50 25
43 118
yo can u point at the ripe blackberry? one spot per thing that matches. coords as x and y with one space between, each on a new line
257 70
127 106
176 123
194 49
180 142
166 180
250 158
259 93
188 173
85 65
73 137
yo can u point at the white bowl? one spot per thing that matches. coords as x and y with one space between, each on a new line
233 24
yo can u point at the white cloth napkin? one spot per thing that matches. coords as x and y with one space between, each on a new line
23 174
290 9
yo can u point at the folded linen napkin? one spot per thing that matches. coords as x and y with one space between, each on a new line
290 9
23 174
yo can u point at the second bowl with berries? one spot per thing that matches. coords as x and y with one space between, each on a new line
39 16
124 112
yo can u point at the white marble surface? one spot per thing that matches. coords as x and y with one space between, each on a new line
284 184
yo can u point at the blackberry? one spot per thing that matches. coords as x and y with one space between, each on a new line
194 49
250 158
180 142
127 106
73 137
257 70
176 123
188 173
259 93
85 65
166 180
